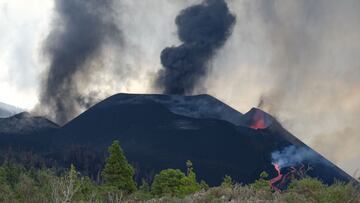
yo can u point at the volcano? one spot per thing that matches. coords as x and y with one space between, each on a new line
158 132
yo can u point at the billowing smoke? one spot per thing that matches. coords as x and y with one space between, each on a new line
79 33
291 156
203 29
302 59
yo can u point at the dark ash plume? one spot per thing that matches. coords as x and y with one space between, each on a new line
79 32
261 103
203 29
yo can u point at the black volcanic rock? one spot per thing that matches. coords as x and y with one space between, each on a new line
199 106
159 131
27 137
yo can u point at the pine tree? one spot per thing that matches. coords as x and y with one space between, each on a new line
118 172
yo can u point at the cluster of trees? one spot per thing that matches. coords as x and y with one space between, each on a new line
18 184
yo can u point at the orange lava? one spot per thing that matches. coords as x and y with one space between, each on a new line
258 121
277 178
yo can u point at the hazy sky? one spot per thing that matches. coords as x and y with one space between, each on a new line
23 25
302 57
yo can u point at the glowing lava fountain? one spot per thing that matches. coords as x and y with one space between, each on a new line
258 121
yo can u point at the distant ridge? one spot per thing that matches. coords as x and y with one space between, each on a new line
7 110
25 123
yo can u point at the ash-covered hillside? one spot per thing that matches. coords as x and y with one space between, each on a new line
162 131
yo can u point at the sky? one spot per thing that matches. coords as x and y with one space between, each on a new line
300 57
23 26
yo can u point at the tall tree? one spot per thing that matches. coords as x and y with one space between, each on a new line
118 172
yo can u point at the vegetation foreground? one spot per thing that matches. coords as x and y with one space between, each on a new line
116 184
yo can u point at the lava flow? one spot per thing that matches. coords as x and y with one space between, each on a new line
280 181
277 178
258 121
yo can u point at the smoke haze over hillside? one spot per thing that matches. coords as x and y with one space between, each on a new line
302 57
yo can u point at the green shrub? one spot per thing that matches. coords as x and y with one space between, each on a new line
144 187
144 191
173 182
27 190
262 188
338 192
168 182
307 188
227 182
87 190
204 185
10 173
261 183
6 194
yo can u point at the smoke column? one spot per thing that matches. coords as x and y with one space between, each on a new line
202 29
80 30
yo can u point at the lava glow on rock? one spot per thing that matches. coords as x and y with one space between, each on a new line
281 181
258 121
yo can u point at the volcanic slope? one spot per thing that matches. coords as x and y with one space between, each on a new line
160 131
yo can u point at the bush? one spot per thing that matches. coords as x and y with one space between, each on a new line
338 192
27 190
308 188
261 183
66 187
204 185
6 193
168 182
173 182
227 181
10 173
144 191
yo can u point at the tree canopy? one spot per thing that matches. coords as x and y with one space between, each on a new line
118 172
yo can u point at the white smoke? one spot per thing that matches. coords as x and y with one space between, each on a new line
23 25
291 156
